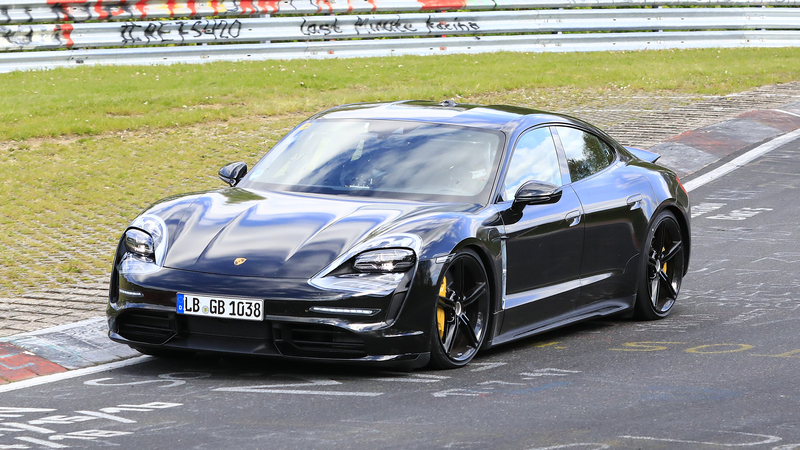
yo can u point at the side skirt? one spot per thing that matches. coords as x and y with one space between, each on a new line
600 309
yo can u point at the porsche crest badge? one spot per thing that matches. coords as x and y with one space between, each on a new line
239 261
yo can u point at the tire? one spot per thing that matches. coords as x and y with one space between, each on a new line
662 269
461 315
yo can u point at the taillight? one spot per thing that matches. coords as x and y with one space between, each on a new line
681 185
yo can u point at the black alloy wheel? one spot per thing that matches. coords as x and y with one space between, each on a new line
663 268
462 312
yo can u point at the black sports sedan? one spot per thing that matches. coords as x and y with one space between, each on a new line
405 233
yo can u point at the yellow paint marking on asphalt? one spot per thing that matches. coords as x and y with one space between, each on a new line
739 348
546 344
783 355
646 346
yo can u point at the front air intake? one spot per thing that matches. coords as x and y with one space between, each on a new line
148 327
313 340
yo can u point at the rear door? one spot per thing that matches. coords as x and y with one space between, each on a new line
612 197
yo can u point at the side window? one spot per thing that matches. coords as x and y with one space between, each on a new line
586 153
534 158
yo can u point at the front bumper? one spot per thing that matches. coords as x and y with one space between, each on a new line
142 314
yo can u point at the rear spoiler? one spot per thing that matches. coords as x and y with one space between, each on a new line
643 154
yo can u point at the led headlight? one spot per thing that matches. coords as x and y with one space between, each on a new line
139 243
375 267
146 244
385 260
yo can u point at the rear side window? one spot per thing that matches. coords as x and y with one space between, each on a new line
586 153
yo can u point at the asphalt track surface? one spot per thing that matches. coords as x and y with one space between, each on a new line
720 372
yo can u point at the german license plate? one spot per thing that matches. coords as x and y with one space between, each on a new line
223 308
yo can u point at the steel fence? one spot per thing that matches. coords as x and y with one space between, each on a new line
116 32
52 11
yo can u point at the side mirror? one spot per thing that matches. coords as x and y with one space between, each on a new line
233 172
535 193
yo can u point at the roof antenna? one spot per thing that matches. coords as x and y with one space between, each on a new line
448 103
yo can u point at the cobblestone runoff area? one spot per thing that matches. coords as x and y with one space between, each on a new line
651 128
635 120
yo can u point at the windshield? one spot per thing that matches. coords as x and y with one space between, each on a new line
381 158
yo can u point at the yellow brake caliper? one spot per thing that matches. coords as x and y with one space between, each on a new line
440 310
663 249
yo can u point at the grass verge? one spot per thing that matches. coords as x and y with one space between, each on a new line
91 100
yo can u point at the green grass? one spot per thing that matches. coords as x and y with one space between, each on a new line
82 151
68 200
92 100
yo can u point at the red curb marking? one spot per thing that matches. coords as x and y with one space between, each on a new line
710 141
781 121
717 142
16 365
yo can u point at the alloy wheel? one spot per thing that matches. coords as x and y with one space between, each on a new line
665 265
462 310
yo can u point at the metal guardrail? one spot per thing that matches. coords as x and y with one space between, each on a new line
490 25
120 34
36 11
397 47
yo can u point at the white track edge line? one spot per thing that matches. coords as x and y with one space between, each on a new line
45 379
740 161
787 112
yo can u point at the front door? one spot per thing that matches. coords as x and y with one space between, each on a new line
543 245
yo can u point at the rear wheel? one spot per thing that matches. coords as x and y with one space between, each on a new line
462 312
660 279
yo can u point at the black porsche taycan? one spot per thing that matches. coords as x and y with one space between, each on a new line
405 233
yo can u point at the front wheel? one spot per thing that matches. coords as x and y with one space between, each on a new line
462 312
662 271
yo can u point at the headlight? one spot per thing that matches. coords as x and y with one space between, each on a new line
146 244
140 243
387 260
375 267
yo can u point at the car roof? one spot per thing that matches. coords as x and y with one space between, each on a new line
494 117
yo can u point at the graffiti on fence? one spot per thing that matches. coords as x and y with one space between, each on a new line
133 33
131 10
384 25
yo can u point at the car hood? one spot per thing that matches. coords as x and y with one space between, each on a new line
276 234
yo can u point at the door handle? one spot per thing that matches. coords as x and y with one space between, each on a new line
573 217
635 201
